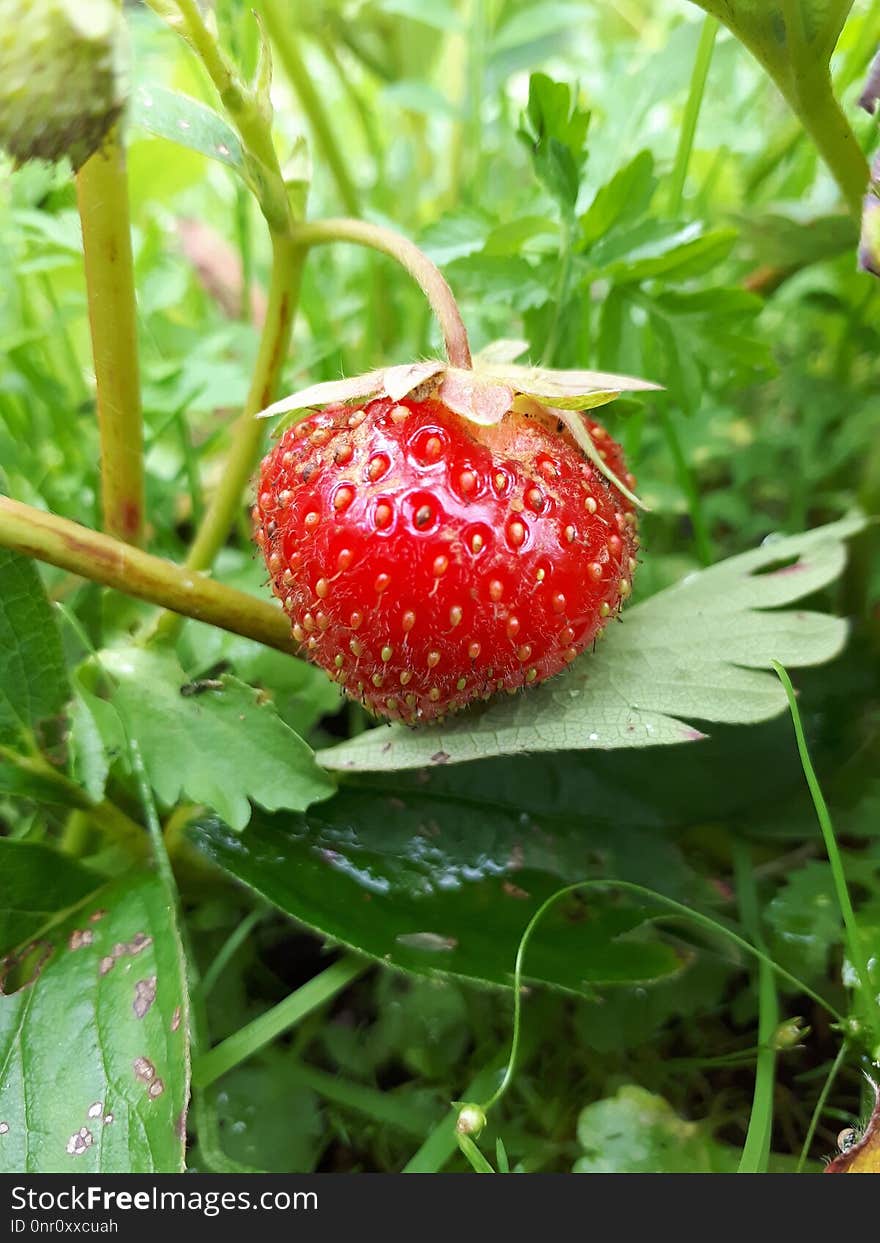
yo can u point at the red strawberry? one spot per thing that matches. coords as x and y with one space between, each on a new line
426 561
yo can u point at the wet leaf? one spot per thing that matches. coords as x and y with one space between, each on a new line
446 885
94 1049
698 652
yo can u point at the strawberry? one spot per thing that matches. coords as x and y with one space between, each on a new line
427 560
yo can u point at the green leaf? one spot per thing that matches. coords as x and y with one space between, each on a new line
89 760
555 130
36 884
442 885
636 1132
805 915
183 120
696 652
765 28
622 199
94 1044
33 678
218 746
678 256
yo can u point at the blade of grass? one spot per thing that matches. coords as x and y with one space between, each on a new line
820 1105
854 945
756 1150
248 1039
700 72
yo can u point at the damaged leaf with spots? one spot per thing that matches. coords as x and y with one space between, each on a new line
694 654
94 1040
33 680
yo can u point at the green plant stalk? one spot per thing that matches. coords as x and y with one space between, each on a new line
102 197
424 272
475 1158
230 946
756 1150
442 1142
381 1107
245 1042
106 815
247 433
283 35
854 944
699 74
820 1105
112 563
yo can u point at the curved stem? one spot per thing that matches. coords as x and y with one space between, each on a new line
102 196
677 910
114 564
424 272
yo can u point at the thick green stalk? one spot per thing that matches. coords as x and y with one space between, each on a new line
102 195
284 36
114 564
688 129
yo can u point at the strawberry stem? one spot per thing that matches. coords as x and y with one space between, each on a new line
424 272
102 196
112 563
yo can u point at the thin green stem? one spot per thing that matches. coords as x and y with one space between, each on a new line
382 1107
756 1150
820 1105
104 560
560 297
699 74
678 911
282 31
106 815
229 949
475 1158
245 1042
102 196
854 944
426 274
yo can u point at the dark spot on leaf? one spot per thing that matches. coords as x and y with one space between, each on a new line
144 1070
156 1088
21 970
514 891
80 938
106 964
440 757
144 996
175 1019
96 915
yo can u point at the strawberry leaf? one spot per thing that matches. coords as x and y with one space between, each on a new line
221 747
94 1043
698 652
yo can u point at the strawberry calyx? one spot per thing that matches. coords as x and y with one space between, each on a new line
484 395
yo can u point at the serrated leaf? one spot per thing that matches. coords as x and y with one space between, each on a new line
33 678
36 884
697 652
438 886
221 747
805 915
94 1045
183 120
